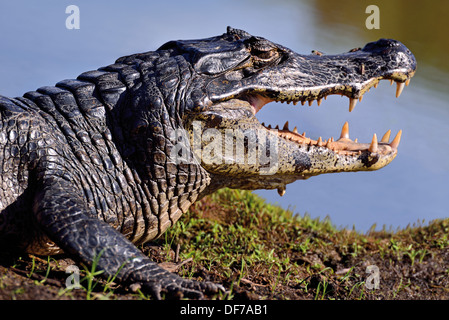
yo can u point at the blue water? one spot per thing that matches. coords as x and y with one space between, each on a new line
37 50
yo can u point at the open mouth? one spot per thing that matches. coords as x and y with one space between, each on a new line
343 145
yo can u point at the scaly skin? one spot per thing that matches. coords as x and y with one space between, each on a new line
94 166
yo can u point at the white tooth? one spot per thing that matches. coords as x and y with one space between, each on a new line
352 103
373 145
399 88
281 190
386 137
395 143
345 131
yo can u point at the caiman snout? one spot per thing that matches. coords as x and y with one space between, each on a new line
383 45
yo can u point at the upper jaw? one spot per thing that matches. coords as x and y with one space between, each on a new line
306 78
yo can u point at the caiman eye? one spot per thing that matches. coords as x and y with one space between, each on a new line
262 51
264 55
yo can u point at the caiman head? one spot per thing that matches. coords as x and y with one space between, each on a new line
236 74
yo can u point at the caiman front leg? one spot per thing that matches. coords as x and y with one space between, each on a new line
62 213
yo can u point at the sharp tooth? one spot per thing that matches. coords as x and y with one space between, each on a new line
386 137
285 126
391 82
310 102
295 130
352 103
269 126
304 134
295 103
281 190
319 142
356 140
328 143
399 88
332 139
373 146
395 143
277 127
288 102
345 131
407 82
303 103
319 101
360 98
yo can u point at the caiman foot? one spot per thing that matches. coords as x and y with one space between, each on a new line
175 287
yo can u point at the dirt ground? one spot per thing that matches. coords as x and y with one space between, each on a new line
399 280
411 264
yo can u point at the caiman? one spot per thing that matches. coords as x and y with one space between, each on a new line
93 167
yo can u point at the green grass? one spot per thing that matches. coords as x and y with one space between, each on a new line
250 245
261 251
